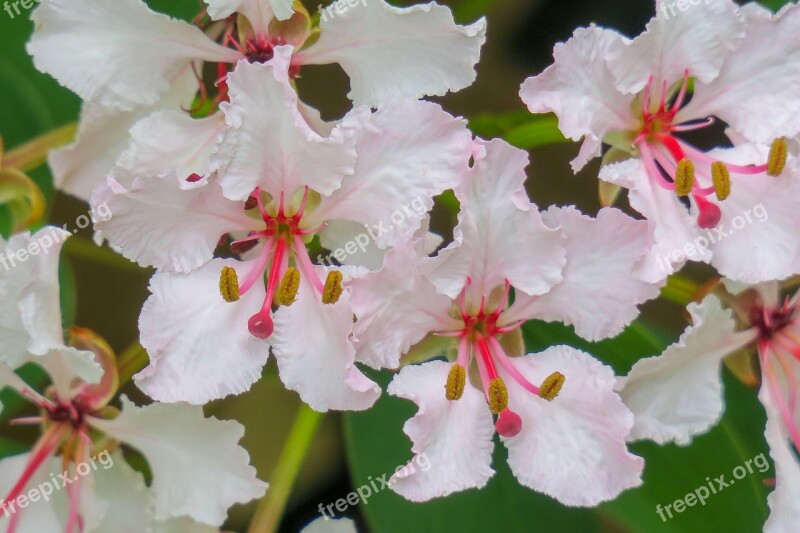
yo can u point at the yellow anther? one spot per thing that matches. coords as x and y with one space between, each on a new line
498 395
287 292
777 157
551 386
684 177
229 284
333 287
456 380
721 177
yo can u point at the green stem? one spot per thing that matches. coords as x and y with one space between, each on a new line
131 361
270 509
34 153
680 290
86 250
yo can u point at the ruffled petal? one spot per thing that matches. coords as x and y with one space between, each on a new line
396 307
573 447
199 469
756 240
117 53
784 501
269 144
699 42
452 439
391 52
103 135
200 346
737 95
408 152
157 223
325 378
674 226
581 91
258 12
678 394
169 140
597 295
500 234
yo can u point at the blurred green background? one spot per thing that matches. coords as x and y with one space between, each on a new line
350 449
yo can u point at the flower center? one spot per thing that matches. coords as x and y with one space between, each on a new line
779 343
676 165
283 245
479 341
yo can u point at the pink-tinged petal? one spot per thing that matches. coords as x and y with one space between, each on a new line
258 12
760 222
500 234
736 96
117 53
199 469
573 447
315 354
391 52
38 518
699 42
200 346
408 152
674 226
157 223
678 394
269 144
65 365
453 439
597 295
103 135
581 91
396 308
784 501
169 140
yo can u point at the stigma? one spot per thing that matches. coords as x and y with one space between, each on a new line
282 263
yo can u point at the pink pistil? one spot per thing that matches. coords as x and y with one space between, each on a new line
658 132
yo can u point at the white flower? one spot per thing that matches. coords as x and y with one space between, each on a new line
552 263
639 96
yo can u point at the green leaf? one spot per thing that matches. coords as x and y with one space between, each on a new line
519 128
775 5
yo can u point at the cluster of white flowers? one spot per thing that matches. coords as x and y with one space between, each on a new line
224 189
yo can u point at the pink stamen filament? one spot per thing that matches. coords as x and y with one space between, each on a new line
509 367
44 449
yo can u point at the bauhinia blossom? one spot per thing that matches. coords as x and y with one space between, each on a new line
556 411
271 181
126 61
684 73
678 394
199 470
